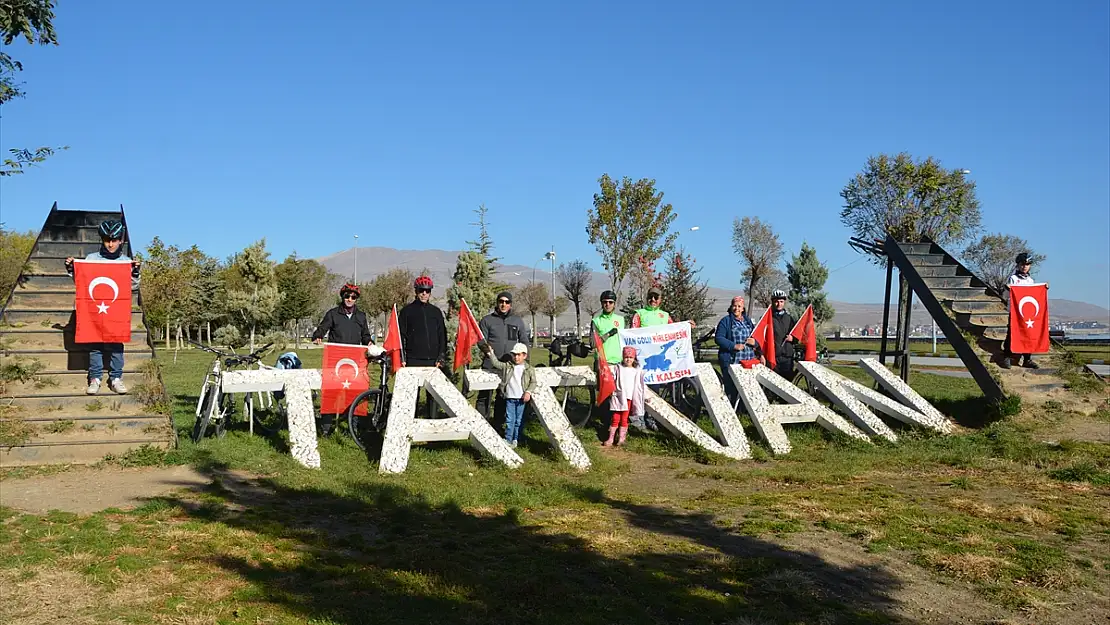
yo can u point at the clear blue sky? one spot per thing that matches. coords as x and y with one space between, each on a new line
237 120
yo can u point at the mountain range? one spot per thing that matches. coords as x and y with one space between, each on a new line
440 265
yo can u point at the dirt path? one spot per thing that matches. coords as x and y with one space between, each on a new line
89 490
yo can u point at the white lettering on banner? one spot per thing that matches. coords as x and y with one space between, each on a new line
664 352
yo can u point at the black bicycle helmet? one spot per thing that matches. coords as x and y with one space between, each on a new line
607 294
111 229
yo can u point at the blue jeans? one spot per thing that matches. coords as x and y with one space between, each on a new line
96 360
514 418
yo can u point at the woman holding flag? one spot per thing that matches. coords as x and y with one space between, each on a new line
735 343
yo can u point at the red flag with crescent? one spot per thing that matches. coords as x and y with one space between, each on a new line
343 377
764 334
1029 319
805 333
103 301
469 335
606 383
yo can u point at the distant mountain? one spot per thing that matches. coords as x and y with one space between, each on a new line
441 265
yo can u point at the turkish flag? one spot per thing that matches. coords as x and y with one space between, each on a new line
764 334
103 301
606 384
469 335
392 343
1029 319
344 376
805 333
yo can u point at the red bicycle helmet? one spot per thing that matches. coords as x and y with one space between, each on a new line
349 288
423 282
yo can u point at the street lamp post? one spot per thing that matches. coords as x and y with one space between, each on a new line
356 259
551 255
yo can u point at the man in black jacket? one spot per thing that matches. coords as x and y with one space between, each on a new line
344 324
782 322
502 330
423 332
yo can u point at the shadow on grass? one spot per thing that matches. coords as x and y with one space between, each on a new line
382 553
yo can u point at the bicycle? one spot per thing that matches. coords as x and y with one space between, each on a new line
213 405
683 394
561 353
376 402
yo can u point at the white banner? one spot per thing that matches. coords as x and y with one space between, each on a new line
664 352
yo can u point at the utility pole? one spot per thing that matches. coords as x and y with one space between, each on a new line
551 255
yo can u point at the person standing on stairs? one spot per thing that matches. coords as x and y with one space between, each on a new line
111 248
1020 277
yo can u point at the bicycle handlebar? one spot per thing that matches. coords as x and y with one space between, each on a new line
254 356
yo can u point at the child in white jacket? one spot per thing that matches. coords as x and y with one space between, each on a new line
628 398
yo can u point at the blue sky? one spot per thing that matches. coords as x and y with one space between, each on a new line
241 120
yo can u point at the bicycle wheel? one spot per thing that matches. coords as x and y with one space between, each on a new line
271 420
363 428
200 426
579 402
222 415
688 395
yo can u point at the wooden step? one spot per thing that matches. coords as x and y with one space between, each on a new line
47 264
105 402
77 407
982 319
983 306
76 249
67 430
925 259
79 218
46 280
78 360
24 339
15 318
68 383
53 299
938 271
57 233
920 248
968 293
997 333
947 282
75 453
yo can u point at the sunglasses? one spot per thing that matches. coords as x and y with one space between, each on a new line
608 301
655 297
504 301
423 290
350 297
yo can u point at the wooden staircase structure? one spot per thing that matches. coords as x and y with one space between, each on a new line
962 305
56 421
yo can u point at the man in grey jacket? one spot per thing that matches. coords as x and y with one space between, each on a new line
502 330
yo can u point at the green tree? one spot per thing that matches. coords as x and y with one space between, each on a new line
302 282
575 278
992 258
684 296
208 294
392 288
909 201
474 269
759 249
14 249
628 222
163 288
807 276
255 298
484 244
33 21
534 296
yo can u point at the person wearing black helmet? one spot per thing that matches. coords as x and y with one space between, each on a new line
423 333
783 322
1023 263
607 324
348 325
503 330
111 248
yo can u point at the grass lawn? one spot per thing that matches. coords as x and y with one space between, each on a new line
995 521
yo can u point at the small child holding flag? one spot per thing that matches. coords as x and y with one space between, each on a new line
628 396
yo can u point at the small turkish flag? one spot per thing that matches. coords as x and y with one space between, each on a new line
392 343
764 334
1029 319
606 383
103 301
344 376
806 334
469 335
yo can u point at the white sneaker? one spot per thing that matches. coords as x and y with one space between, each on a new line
94 387
117 386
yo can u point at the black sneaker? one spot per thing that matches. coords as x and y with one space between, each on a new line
1029 364
1004 362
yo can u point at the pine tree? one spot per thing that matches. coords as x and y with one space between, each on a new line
255 302
807 277
684 296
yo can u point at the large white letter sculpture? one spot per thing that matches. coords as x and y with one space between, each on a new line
298 385
801 408
546 405
403 428
720 411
